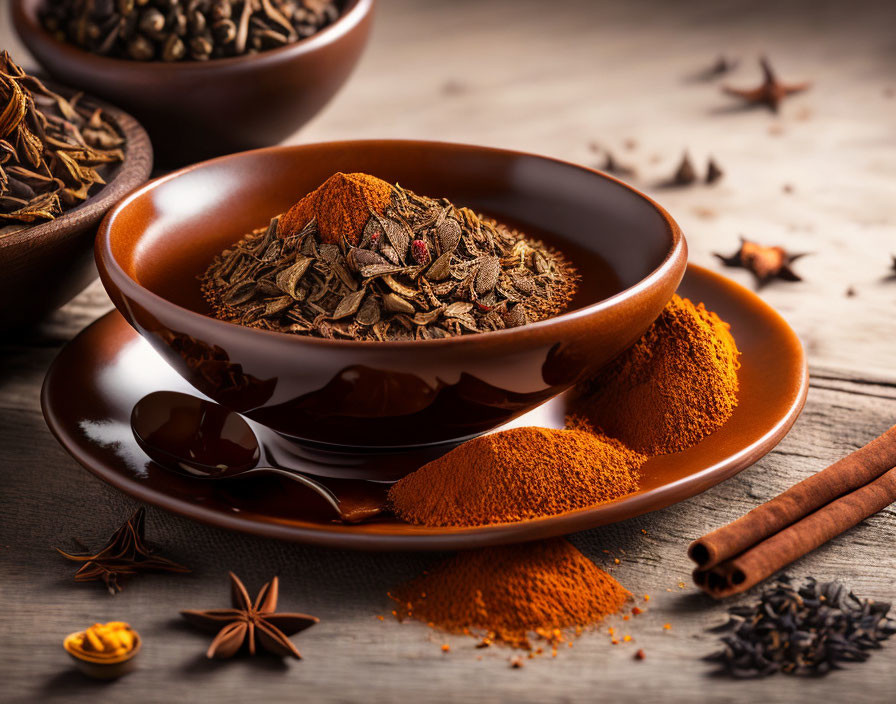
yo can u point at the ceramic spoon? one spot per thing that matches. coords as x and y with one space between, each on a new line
200 438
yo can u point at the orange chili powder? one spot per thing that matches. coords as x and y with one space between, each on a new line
515 475
547 589
341 205
674 387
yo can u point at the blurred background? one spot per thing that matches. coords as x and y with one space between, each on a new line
567 77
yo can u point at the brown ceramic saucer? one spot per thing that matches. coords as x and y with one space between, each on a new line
90 389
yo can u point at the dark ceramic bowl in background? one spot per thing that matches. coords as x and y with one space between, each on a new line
199 109
151 248
44 266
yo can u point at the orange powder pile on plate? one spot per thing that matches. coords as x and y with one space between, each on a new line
517 474
670 390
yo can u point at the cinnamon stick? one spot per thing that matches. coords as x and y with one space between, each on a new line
755 546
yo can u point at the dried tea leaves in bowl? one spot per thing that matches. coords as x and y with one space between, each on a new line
415 268
54 153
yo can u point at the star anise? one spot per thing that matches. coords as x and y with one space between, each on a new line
125 553
250 623
770 92
766 263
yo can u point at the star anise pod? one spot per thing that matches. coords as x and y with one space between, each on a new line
770 92
125 553
766 263
249 623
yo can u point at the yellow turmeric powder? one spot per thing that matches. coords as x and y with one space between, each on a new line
103 642
674 387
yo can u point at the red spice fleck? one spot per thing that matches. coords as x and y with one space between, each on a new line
420 251
636 611
640 655
446 648
667 626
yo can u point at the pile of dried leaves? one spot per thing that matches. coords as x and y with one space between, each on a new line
425 269
53 151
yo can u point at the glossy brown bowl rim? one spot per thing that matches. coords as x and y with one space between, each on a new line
675 258
25 15
126 179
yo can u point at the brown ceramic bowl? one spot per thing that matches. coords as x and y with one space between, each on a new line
196 110
46 265
151 248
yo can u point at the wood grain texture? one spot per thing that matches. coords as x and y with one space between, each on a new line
547 78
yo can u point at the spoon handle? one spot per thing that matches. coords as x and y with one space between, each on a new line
323 491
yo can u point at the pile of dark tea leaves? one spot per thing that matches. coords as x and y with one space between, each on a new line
424 269
184 30
802 630
54 152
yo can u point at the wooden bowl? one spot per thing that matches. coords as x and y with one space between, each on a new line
195 110
45 266
154 244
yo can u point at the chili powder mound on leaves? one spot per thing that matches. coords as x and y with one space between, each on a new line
341 205
674 387
513 592
515 475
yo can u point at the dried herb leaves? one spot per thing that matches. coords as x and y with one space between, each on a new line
425 269
54 153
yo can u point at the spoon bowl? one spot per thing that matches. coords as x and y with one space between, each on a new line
202 439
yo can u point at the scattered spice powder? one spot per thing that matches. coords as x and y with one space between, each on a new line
516 475
674 387
544 589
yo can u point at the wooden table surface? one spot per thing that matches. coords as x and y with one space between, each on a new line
548 78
